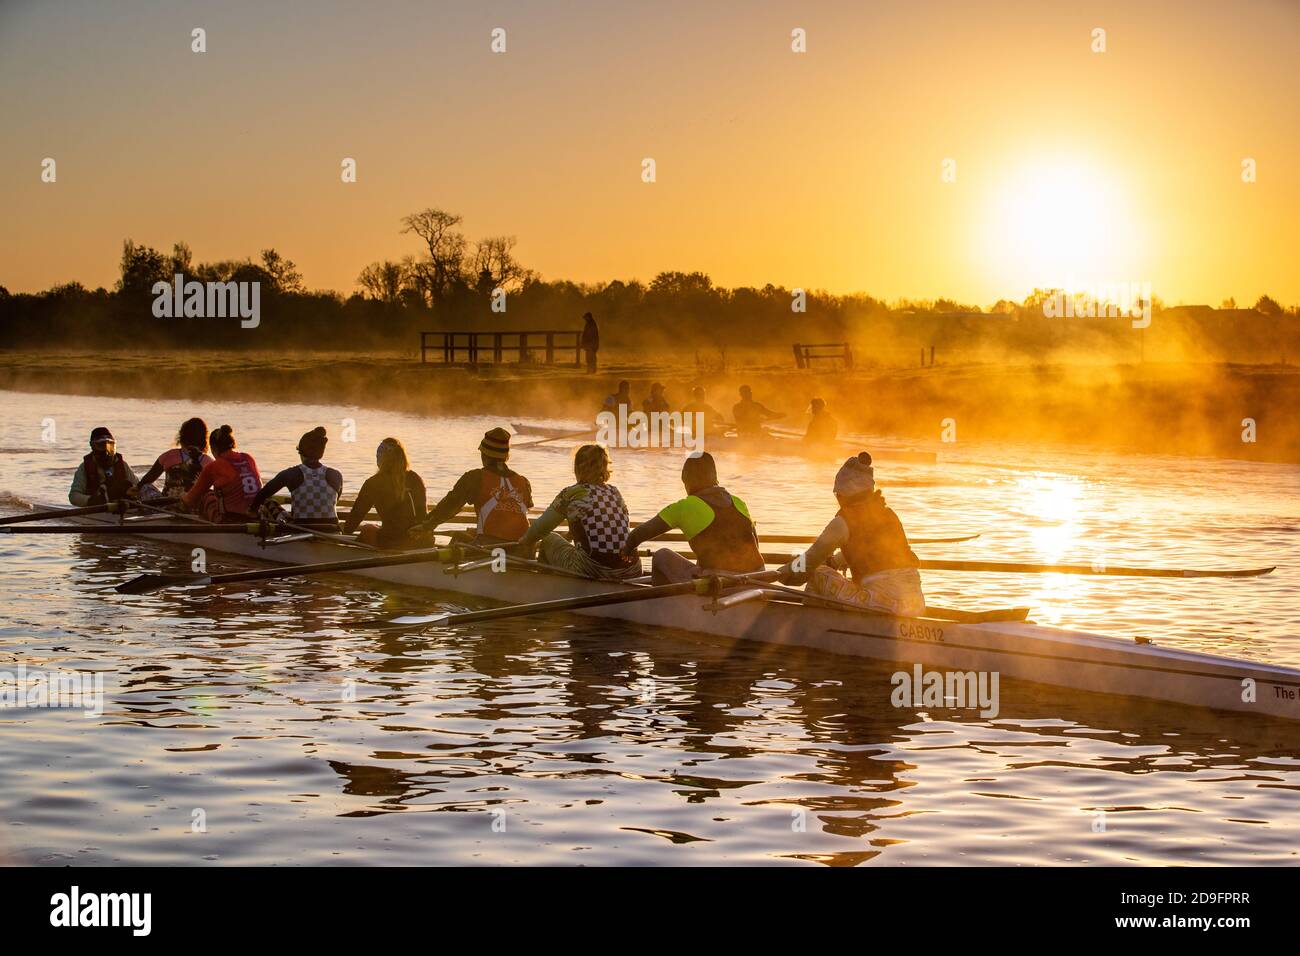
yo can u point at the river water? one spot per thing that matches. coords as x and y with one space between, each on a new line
261 725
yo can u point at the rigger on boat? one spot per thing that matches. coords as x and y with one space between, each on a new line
877 611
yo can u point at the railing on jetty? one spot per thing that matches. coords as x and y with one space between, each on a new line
478 348
805 355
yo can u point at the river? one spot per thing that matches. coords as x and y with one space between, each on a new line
227 738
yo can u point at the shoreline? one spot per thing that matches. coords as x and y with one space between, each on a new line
1125 408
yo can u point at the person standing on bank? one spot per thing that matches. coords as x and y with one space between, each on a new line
590 340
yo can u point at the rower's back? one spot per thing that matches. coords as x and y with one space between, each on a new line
877 541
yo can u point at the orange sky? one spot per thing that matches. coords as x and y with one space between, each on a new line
814 170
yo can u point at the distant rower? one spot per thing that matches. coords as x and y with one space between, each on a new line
598 523
656 401
716 523
314 488
714 423
103 475
180 466
395 492
822 427
874 545
749 415
619 399
233 479
501 497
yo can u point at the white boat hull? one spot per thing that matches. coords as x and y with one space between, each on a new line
1016 650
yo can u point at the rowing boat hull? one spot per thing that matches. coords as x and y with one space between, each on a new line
1016 650
769 445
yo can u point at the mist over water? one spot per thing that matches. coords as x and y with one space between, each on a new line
600 742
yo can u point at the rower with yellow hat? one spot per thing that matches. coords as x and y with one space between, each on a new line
501 497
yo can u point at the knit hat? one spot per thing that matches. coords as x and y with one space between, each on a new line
496 444
856 478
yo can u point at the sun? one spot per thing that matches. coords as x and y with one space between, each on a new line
1059 222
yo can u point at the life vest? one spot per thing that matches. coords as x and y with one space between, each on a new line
315 499
500 506
181 467
876 542
115 481
729 542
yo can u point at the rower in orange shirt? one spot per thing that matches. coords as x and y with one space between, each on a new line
225 488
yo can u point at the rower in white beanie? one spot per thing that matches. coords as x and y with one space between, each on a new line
873 545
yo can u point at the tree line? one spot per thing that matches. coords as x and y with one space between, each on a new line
452 283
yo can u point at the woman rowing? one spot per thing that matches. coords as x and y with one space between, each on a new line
500 496
396 493
716 523
598 524
225 488
874 545
314 488
180 466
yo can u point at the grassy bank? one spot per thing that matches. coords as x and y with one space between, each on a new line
1170 409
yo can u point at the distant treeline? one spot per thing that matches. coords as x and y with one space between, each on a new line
453 285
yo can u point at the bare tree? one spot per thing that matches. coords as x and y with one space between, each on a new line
383 280
446 249
495 263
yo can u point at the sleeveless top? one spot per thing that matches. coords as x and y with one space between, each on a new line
598 522
876 542
180 468
500 506
315 499
719 529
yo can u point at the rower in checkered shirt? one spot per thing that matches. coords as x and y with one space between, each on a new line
598 524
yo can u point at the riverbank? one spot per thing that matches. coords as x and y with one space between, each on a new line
1155 408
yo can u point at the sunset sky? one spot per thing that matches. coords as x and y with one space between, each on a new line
813 170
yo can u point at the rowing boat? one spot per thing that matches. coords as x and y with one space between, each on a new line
1017 650
770 444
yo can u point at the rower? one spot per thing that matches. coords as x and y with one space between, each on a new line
716 523
396 493
225 488
749 415
621 399
501 497
314 489
598 524
713 421
822 427
103 475
656 401
874 545
180 466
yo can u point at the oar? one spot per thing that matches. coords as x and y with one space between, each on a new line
121 506
137 529
765 538
1001 614
1010 567
1017 568
694 586
529 444
148 583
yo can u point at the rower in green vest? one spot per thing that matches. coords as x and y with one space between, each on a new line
716 523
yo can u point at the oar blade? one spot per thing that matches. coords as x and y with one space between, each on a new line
149 583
